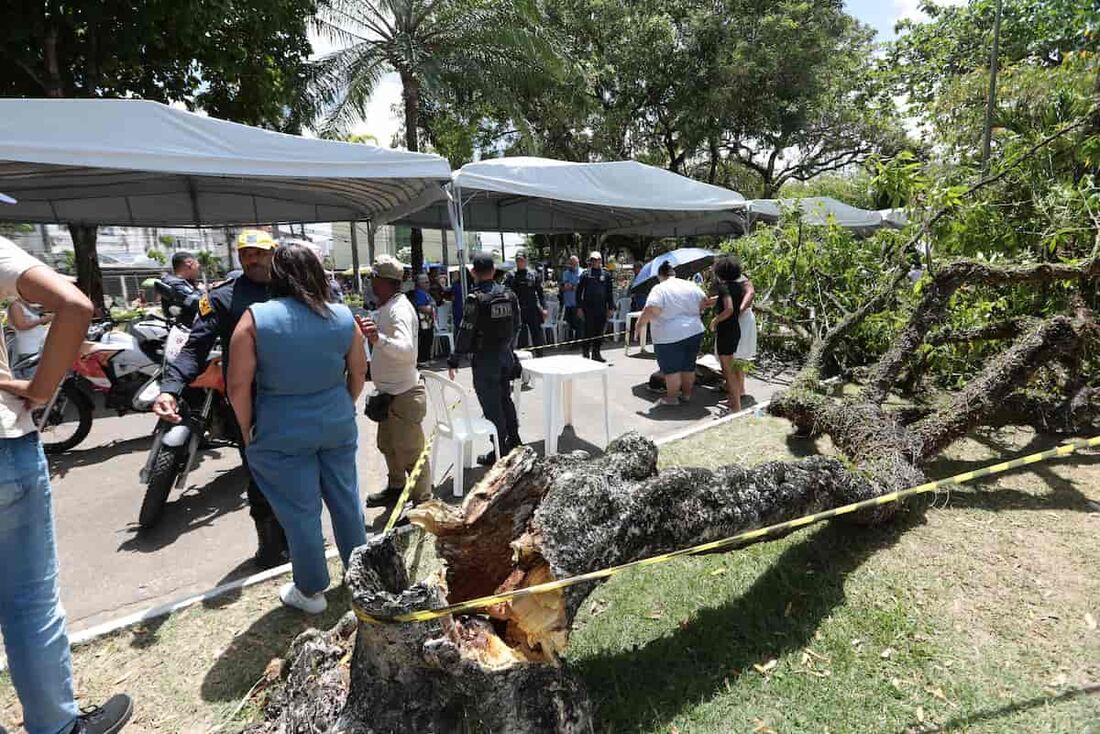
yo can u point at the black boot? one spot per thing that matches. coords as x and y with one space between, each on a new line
487 459
271 548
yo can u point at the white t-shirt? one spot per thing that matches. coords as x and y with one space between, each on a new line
15 419
679 303
393 356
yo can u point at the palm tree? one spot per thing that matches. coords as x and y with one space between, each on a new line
426 42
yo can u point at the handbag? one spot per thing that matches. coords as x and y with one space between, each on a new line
378 406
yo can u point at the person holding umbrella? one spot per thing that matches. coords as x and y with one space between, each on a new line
595 304
672 313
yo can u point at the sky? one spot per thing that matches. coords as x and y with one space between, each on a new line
383 123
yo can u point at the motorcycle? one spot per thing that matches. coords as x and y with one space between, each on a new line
206 419
116 371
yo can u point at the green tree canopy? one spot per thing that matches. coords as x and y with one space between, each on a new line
241 60
750 94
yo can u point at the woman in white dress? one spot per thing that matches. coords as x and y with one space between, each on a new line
746 347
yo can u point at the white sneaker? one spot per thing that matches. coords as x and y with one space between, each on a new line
292 597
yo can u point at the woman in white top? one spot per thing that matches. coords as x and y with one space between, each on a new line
672 314
30 327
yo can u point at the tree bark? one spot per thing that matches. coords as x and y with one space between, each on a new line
89 278
410 97
527 522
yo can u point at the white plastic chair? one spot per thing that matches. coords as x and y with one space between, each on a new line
455 425
551 323
443 328
618 322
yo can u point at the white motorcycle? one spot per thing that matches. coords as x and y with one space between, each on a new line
117 372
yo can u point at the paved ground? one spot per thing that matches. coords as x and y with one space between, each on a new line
109 569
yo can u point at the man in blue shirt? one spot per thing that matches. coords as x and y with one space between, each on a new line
425 311
570 278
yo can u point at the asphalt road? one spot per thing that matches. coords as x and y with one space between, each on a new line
110 569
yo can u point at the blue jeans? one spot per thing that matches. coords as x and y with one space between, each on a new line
304 455
31 617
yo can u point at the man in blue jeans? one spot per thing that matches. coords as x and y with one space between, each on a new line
31 618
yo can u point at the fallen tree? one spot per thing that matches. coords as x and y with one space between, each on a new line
530 521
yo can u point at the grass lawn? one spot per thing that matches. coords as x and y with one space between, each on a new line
979 614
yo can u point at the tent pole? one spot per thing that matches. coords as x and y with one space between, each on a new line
355 257
372 230
446 256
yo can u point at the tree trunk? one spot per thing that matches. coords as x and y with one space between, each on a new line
528 521
410 97
88 276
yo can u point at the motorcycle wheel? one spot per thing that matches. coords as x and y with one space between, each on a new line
166 467
71 410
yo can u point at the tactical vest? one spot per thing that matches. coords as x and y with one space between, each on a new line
496 318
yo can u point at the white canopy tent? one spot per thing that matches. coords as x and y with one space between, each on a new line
525 194
819 210
539 195
139 163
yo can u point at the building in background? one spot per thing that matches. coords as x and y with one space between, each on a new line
391 240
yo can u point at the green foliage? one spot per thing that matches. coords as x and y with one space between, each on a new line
123 315
67 263
811 277
154 254
237 59
211 264
10 228
954 42
167 240
711 89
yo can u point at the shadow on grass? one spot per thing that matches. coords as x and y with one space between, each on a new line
1064 494
978 717
651 685
242 663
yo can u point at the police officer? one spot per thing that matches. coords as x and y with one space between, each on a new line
595 304
219 312
527 285
183 281
490 318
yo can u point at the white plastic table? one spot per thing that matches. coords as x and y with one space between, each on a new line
557 374
630 319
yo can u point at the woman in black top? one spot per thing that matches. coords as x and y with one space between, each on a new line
728 295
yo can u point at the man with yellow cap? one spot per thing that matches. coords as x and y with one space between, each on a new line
219 312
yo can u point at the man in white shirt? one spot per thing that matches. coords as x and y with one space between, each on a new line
31 617
393 343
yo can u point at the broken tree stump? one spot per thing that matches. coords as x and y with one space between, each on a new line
527 522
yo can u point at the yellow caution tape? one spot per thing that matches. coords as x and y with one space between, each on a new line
714 545
410 482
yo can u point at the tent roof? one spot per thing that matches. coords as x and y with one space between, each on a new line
524 194
816 210
134 162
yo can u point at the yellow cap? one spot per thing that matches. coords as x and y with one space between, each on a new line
256 238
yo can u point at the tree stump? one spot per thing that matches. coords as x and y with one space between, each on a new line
530 521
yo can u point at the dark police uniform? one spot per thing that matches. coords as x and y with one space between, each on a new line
186 297
489 320
218 314
527 285
594 295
